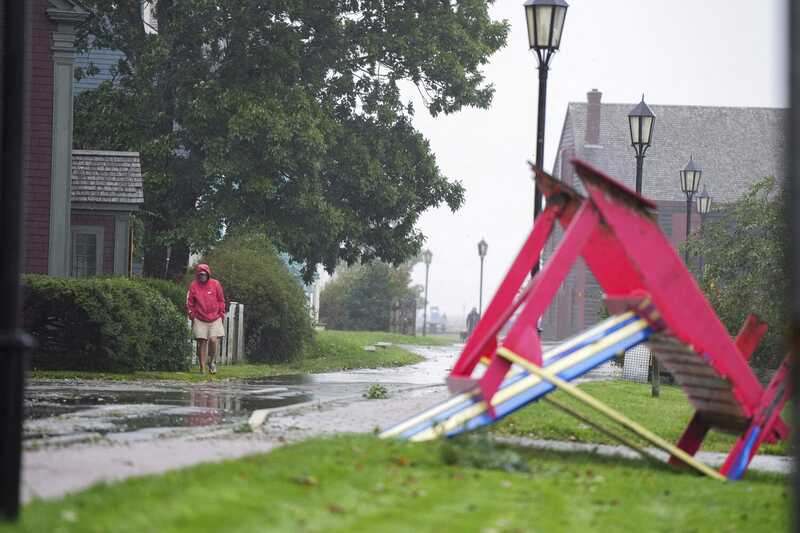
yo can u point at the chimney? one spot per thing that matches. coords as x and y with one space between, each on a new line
593 117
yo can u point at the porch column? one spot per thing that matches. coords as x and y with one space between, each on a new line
66 15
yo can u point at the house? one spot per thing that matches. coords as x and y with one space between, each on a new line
106 190
77 205
734 146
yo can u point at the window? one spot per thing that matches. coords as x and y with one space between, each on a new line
87 251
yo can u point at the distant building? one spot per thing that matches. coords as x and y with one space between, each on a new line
106 189
735 146
77 204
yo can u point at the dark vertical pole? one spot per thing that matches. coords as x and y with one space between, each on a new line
793 184
13 342
480 297
425 312
540 124
639 165
688 228
702 259
655 388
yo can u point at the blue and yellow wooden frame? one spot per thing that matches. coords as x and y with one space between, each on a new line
570 360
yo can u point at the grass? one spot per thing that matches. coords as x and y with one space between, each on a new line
362 484
329 352
667 416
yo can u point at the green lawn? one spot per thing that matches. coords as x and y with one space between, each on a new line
666 416
362 484
330 351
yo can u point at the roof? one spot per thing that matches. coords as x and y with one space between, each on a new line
107 177
734 146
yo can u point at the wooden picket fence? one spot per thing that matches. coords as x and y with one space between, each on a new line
232 345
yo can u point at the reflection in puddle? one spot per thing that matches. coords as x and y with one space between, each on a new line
55 410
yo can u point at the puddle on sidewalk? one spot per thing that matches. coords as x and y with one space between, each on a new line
55 410
65 412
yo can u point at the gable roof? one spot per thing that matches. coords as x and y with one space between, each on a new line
107 177
734 146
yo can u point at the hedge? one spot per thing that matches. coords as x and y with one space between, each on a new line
277 324
103 324
172 291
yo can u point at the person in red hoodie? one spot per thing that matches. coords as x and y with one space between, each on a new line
205 305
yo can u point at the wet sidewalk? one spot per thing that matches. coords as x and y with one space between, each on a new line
68 412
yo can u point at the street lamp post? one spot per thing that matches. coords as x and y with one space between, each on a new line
641 120
427 257
545 20
482 249
703 207
690 182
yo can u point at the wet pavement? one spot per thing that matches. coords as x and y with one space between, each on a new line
65 412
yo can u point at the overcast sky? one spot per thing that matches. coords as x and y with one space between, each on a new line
684 52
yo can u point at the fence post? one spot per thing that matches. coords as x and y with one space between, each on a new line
240 357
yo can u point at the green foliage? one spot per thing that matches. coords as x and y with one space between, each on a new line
103 324
743 271
360 297
174 292
363 484
276 320
479 451
286 117
667 416
376 391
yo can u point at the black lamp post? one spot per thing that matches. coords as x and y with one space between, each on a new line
14 343
703 204
641 121
545 23
482 249
690 182
427 257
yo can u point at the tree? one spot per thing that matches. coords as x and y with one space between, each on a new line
360 297
741 250
286 117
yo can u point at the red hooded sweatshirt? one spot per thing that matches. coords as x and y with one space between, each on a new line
205 300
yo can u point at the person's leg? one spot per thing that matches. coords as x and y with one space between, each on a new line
202 348
213 349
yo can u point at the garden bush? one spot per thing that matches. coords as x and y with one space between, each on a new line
277 324
172 291
103 324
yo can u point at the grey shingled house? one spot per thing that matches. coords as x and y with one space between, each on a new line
735 146
106 190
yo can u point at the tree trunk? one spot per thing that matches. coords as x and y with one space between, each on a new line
156 264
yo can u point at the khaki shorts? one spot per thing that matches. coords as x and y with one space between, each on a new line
204 330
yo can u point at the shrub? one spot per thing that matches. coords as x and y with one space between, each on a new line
172 291
276 319
103 324
360 297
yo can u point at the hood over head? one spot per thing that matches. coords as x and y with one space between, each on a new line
202 267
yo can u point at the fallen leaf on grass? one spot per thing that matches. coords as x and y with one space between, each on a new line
336 509
309 481
401 460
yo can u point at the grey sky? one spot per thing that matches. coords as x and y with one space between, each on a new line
682 52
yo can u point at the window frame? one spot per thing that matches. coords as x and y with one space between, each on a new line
99 233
